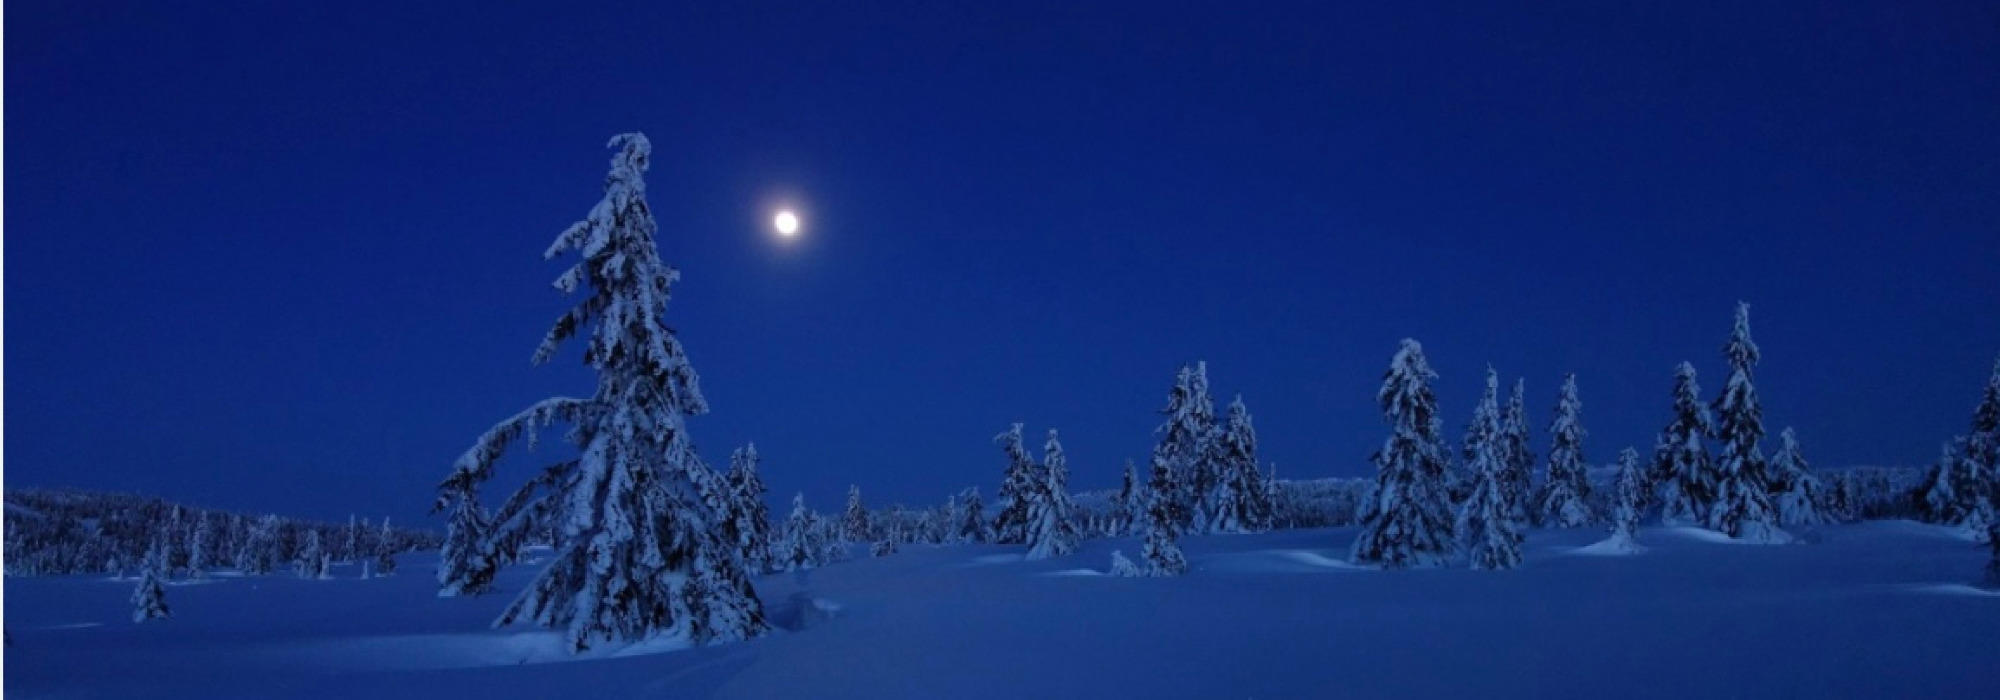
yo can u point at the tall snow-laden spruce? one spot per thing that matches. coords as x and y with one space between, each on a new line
1408 522
1184 445
1681 464
854 520
1239 501
752 517
1484 428
1161 550
1630 496
1565 497
1795 492
1204 473
1486 520
1742 507
1018 486
639 550
1520 460
466 563
1052 519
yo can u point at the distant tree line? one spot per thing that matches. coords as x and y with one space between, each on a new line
61 531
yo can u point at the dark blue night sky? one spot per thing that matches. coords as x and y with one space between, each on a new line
272 257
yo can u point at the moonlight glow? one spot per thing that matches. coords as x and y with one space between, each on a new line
787 223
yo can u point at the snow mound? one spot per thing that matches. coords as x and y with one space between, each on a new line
989 559
1281 561
1771 536
1312 558
1613 546
1075 572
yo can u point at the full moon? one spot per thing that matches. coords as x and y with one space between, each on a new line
786 223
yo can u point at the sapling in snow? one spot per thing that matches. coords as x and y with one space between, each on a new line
1629 497
149 598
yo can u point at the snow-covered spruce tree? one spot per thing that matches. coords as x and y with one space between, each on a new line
1200 483
1122 518
350 547
466 561
1681 465
1565 497
1843 498
1238 499
176 543
312 560
1274 494
1184 446
1018 486
259 555
1964 484
798 543
1162 550
972 525
1742 506
1982 445
1486 520
1484 428
1795 492
854 521
364 548
833 547
385 550
752 517
1409 521
1520 459
1630 497
201 547
1052 528
944 524
149 599
639 551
